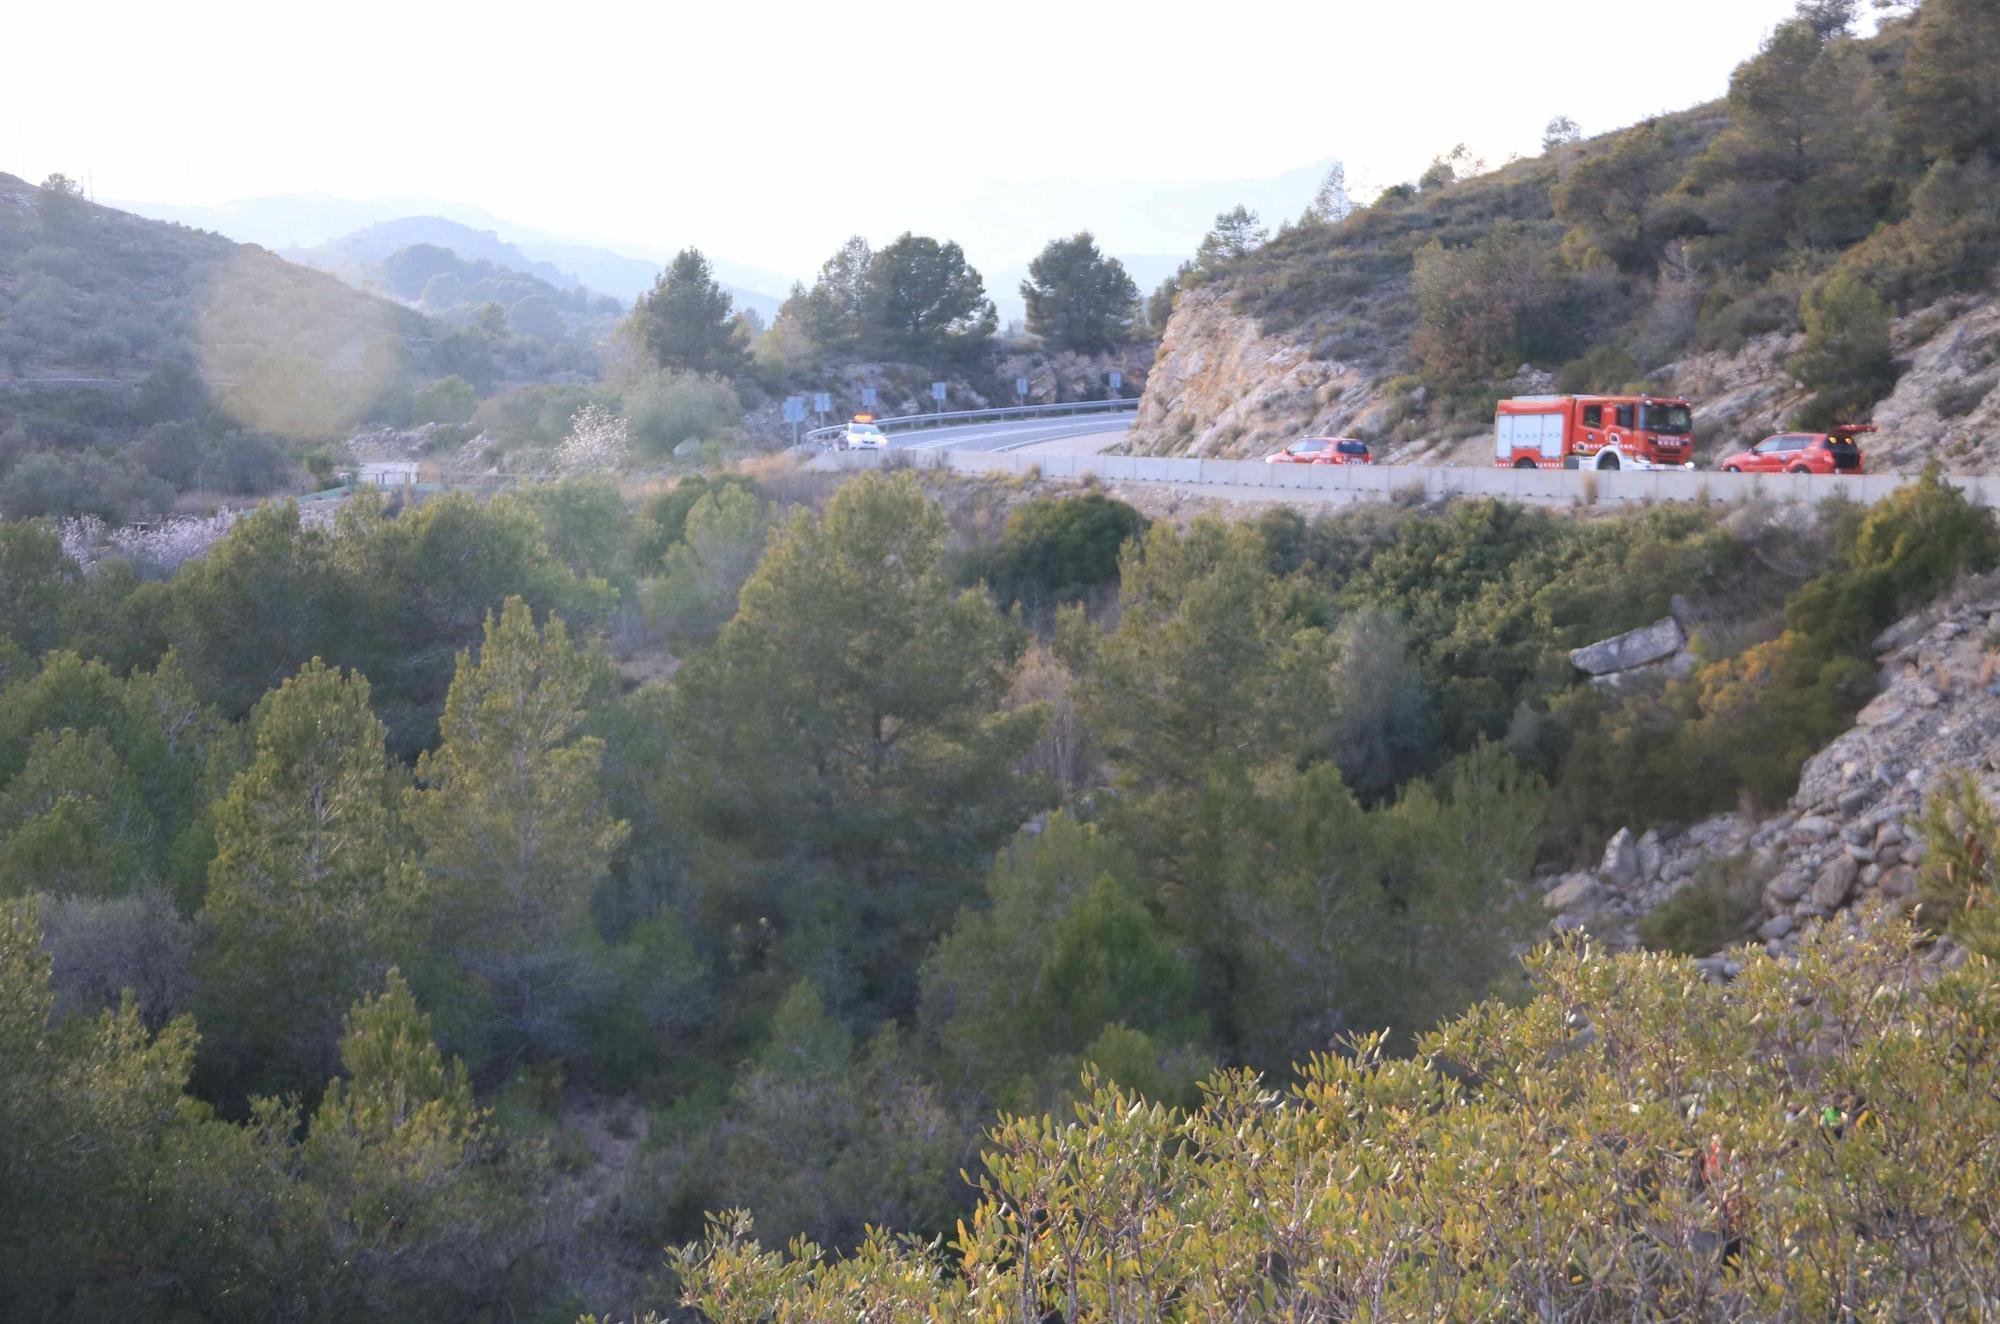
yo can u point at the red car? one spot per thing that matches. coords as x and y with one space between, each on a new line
1322 450
1802 453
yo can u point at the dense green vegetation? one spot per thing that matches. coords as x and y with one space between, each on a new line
1842 181
386 803
1815 1140
1817 1137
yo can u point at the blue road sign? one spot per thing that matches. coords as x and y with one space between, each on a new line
937 391
795 409
1117 380
868 396
822 402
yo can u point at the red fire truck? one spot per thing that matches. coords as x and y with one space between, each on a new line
1594 432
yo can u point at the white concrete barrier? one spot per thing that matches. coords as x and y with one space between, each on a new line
1339 484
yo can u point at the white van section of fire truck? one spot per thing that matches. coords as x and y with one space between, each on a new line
1537 432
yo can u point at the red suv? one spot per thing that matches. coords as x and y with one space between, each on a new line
1802 453
1322 450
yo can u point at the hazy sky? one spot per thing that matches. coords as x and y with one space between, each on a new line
769 131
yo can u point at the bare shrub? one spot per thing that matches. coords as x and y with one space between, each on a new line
102 947
1061 754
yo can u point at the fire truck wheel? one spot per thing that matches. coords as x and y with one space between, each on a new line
1731 469
1798 469
1607 461
1525 463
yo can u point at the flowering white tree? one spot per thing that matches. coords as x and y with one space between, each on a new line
158 550
81 537
596 443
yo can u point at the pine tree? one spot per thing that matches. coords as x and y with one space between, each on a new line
834 313
1236 235
310 896
1846 357
1077 298
1331 201
926 302
1949 97
1794 166
82 1103
842 754
73 822
688 321
515 837
406 1178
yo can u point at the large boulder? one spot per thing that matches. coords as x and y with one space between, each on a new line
1786 888
1578 893
1621 861
1835 882
1635 648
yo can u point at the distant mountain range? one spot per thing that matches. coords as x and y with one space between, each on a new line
565 266
1150 227
374 244
330 233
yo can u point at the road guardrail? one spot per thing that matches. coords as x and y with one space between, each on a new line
998 414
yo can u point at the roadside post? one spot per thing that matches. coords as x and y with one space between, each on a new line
795 414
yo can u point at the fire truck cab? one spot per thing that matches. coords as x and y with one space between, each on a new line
1594 432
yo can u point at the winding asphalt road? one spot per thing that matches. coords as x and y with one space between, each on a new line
1010 435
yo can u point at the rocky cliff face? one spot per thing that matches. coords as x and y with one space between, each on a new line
1844 850
1223 387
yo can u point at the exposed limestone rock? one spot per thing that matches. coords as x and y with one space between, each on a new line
1783 890
1621 861
1578 893
1846 852
1834 885
1220 387
1635 648
1650 855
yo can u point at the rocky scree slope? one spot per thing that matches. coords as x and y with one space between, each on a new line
1845 849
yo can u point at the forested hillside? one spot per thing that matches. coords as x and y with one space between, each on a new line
382 940
1819 246
140 360
456 289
